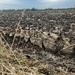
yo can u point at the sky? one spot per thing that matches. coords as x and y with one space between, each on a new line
21 4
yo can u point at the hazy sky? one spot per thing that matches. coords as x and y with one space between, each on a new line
10 4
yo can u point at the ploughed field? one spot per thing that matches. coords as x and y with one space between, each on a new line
46 40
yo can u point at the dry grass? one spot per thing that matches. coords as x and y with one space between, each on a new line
12 63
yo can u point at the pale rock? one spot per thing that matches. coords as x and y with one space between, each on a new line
54 36
38 41
32 39
45 35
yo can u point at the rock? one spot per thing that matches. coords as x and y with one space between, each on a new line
66 42
54 36
49 40
67 49
49 43
38 41
11 34
72 26
26 36
39 33
32 39
32 33
45 35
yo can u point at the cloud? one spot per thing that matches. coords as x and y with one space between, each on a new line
9 4
8 1
49 0
53 0
5 1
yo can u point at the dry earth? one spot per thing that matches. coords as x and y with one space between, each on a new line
37 42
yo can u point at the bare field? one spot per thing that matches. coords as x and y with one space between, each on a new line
37 42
